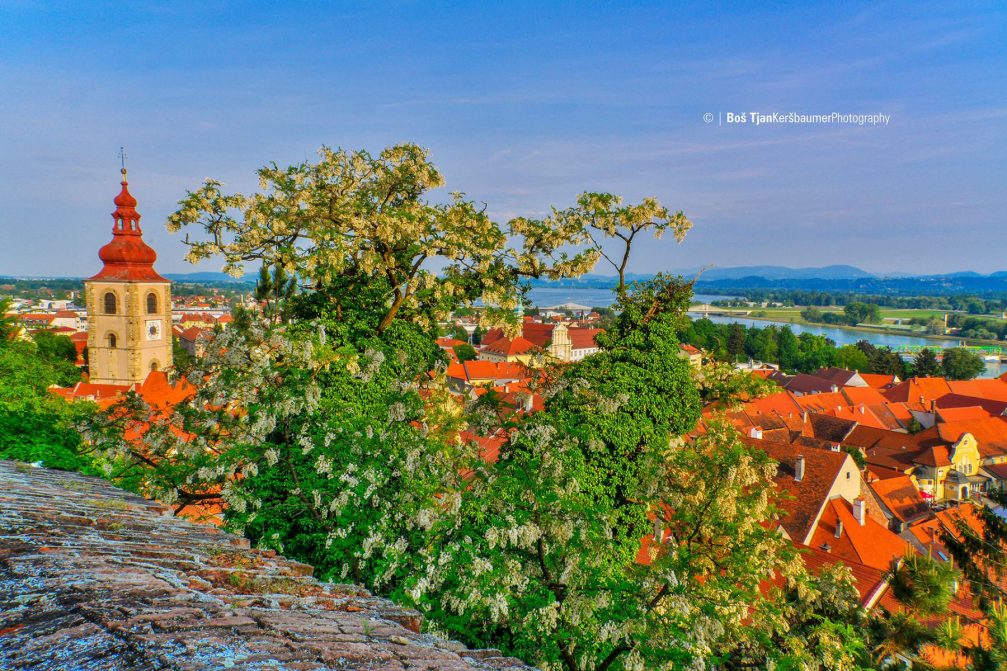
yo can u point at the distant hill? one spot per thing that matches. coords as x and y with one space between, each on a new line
207 277
755 273
839 272
921 285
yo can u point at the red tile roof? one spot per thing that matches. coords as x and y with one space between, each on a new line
871 583
918 390
990 433
869 543
901 497
583 338
965 413
804 499
879 381
508 347
992 389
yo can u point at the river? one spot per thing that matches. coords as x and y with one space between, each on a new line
549 296
842 336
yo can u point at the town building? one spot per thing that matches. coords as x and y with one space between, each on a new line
128 304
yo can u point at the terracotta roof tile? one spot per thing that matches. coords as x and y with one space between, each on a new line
918 389
805 498
869 543
901 497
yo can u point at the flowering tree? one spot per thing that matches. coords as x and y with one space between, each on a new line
332 437
552 536
358 224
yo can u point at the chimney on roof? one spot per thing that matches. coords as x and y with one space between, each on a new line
860 510
839 529
804 416
755 432
923 399
799 469
863 409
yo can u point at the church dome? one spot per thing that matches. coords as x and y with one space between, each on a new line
127 256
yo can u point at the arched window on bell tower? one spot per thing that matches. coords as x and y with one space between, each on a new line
111 340
151 303
110 303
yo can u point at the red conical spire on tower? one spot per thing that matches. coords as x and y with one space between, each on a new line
127 257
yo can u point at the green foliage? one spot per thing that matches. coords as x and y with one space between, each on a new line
465 352
36 426
60 353
862 313
8 326
882 360
812 622
720 382
275 288
961 364
925 363
851 357
328 438
923 584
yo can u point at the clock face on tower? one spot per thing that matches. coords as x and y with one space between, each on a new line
153 329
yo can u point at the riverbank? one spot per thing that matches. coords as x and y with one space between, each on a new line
879 330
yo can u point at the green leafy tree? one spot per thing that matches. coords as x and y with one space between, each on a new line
359 227
736 342
789 349
816 352
882 360
60 353
465 352
979 549
8 327
812 622
925 363
852 358
35 425
862 313
553 530
961 364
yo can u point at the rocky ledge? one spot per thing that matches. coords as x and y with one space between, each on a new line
95 578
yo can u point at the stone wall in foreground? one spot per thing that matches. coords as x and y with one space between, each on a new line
94 578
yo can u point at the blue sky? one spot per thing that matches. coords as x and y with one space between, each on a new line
523 106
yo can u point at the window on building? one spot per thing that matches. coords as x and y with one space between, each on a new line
151 303
111 340
154 366
110 303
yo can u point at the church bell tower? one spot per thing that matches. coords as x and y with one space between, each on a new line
128 304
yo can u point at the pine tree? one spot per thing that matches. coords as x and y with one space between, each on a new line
275 289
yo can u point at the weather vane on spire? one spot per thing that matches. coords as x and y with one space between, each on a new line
122 160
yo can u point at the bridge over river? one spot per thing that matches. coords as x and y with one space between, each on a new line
989 352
